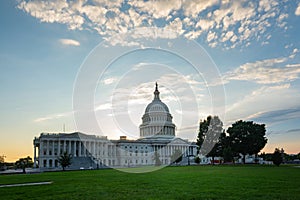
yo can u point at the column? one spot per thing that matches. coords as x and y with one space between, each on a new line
34 156
41 152
70 144
168 150
103 148
88 146
160 150
186 151
79 153
108 150
53 150
84 149
74 148
97 148
94 149
65 146
58 147
47 148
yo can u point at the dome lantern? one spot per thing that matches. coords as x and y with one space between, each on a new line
156 92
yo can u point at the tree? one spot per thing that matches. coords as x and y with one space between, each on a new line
197 160
23 163
227 154
208 136
217 140
226 149
2 158
203 127
2 162
247 137
176 157
65 160
277 157
283 155
156 159
266 156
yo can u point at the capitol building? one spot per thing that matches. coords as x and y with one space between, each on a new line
157 138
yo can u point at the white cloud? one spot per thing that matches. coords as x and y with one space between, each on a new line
190 18
297 11
157 9
105 106
176 25
294 53
262 100
53 11
227 36
109 81
205 24
211 36
53 116
268 71
194 7
69 42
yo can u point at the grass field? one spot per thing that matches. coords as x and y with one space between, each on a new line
190 182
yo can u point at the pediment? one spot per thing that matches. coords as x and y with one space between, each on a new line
180 141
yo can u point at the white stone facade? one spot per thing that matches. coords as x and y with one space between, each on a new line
97 152
157 134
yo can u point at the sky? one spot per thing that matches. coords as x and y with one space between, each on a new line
235 59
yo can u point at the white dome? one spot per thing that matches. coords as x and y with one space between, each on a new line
157 119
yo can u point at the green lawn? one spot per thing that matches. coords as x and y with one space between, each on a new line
191 182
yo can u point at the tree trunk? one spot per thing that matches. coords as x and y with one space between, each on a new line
256 159
244 158
24 172
213 160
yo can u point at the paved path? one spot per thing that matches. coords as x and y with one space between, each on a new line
26 184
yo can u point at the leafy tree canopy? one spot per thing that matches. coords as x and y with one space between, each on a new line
277 156
208 140
23 163
65 160
247 137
